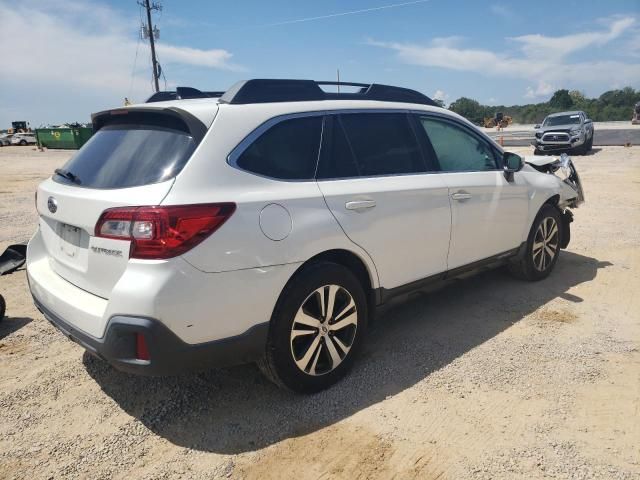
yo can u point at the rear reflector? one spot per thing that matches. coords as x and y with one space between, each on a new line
142 352
163 232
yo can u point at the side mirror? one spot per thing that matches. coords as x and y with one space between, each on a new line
588 120
536 126
512 163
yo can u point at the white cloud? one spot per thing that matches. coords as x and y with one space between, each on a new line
78 45
543 89
543 47
446 42
441 95
215 58
540 59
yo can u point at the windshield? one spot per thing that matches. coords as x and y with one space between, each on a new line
562 120
122 156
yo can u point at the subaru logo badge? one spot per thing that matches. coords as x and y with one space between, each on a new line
52 204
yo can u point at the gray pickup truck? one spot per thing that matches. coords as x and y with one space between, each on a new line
563 132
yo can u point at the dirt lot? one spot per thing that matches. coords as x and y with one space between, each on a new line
488 378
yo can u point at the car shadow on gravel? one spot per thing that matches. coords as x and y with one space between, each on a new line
8 325
236 410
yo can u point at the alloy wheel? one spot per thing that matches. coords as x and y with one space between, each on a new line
324 330
545 244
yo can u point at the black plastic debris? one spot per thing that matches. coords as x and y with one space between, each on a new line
12 258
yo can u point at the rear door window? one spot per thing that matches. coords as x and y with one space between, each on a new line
382 144
287 151
337 159
127 155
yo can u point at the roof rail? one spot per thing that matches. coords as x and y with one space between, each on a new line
279 90
181 93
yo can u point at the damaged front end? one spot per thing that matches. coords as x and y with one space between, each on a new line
572 194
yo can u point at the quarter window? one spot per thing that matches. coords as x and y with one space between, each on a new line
456 149
287 151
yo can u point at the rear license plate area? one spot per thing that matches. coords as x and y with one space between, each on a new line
69 239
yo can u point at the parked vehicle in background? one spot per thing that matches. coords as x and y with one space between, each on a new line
173 242
635 120
5 139
564 132
19 126
23 139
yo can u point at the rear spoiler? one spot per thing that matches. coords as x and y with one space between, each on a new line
182 93
170 117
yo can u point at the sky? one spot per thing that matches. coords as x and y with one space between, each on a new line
63 60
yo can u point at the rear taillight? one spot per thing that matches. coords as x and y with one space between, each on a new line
163 232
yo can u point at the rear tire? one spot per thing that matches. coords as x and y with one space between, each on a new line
543 246
3 307
316 330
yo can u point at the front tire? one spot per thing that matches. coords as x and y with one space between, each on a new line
590 144
317 328
582 149
543 246
23 142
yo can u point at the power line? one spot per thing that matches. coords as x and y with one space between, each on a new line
133 70
341 14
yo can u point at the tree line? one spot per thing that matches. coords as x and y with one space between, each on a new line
610 106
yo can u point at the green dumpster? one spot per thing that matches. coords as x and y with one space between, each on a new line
70 138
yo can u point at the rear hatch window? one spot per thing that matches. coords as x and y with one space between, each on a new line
130 152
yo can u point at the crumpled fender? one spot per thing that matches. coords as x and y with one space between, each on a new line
564 169
540 161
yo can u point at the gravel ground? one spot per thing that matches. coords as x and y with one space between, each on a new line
488 378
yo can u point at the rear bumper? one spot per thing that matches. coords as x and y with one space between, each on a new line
168 354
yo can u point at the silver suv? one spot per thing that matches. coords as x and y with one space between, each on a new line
564 131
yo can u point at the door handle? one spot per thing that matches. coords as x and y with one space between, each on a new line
360 204
461 196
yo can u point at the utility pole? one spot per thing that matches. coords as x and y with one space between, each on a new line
153 33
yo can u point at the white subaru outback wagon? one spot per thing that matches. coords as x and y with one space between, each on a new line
268 224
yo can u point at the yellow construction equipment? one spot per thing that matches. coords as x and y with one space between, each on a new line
500 120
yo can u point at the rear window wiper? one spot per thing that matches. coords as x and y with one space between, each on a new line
68 175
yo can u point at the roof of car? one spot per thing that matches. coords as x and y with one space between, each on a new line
273 90
273 97
205 108
572 112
